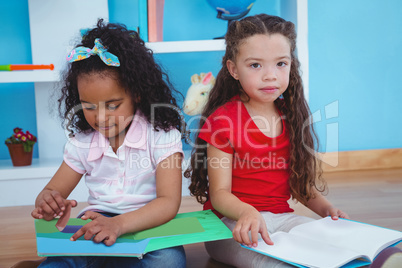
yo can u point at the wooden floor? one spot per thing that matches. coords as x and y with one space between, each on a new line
373 196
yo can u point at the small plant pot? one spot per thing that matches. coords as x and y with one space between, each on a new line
18 156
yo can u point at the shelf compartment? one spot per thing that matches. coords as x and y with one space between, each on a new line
187 46
40 168
29 76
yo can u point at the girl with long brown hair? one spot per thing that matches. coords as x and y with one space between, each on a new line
255 146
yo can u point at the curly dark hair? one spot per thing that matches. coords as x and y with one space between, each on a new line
138 73
305 169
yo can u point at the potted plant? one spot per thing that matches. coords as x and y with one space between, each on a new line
20 145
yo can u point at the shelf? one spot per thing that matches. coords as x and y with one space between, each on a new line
40 168
29 76
187 46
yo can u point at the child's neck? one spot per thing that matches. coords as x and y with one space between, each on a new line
266 117
116 142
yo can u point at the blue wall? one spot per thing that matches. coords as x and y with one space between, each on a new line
354 59
352 51
17 101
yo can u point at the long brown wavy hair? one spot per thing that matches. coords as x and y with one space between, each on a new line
305 169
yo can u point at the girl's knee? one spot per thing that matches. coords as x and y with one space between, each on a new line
168 257
72 261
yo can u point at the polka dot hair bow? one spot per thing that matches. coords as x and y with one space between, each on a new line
81 53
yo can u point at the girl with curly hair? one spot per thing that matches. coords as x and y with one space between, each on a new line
126 142
254 147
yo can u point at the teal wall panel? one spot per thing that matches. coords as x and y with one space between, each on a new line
354 59
17 100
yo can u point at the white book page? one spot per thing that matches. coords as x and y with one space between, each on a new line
292 248
362 238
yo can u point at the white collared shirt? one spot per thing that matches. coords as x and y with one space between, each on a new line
123 181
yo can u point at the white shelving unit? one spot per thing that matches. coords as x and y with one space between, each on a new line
35 177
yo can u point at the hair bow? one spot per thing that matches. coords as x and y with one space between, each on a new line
81 53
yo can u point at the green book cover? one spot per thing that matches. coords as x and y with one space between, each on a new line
185 228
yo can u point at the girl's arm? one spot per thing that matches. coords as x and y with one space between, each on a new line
52 200
220 185
160 210
320 205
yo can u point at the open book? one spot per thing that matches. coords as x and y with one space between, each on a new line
328 243
185 228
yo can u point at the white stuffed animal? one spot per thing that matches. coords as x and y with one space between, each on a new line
198 92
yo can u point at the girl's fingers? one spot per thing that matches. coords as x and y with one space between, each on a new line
50 206
91 232
344 215
236 234
62 222
59 202
100 237
108 241
47 209
336 214
37 213
88 231
265 237
90 215
77 234
104 237
333 213
245 238
254 236
72 202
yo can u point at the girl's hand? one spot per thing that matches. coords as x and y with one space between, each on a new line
337 213
50 205
251 220
100 229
